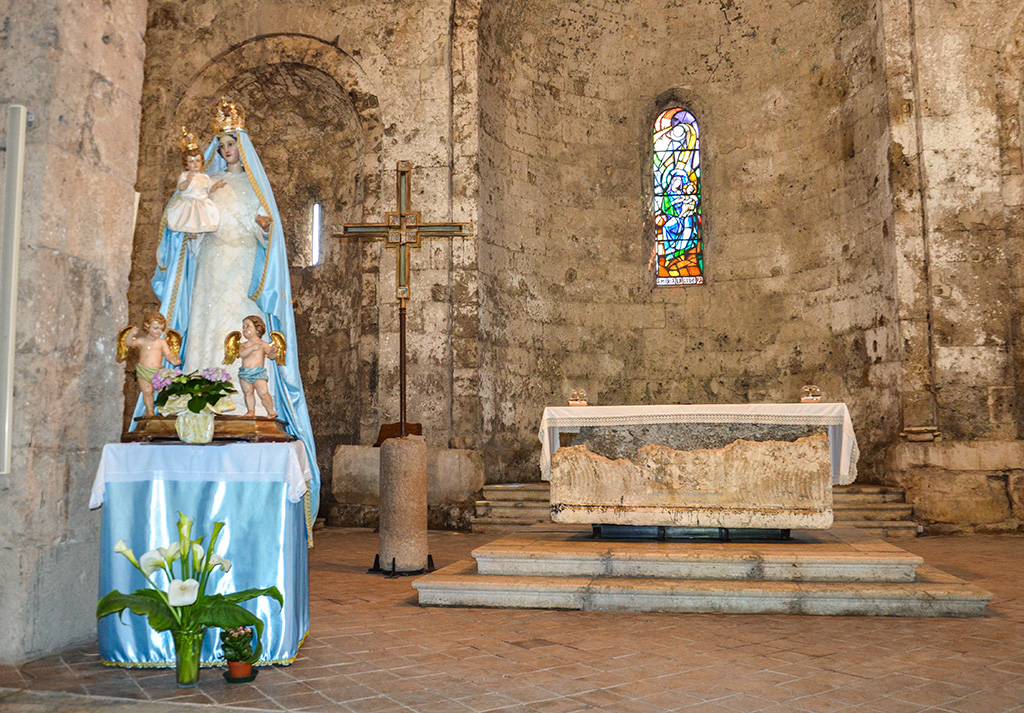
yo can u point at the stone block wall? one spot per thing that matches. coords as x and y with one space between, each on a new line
797 212
454 479
954 72
77 67
962 486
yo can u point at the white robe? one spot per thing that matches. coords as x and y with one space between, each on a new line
194 211
220 292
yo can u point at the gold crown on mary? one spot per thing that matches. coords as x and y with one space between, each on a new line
189 142
228 116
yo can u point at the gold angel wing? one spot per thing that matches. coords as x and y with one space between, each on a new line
174 341
277 339
122 343
231 347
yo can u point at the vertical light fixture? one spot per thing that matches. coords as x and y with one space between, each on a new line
316 235
10 238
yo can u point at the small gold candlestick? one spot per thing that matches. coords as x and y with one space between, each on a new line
810 394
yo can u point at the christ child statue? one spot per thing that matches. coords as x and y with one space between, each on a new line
252 376
153 348
194 212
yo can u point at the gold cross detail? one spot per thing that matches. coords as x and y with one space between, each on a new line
402 229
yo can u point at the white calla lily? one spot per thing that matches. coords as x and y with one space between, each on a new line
126 551
218 561
170 553
182 593
151 562
197 554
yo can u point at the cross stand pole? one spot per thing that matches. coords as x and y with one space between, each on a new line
401 367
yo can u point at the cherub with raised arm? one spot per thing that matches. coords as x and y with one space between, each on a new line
153 349
252 376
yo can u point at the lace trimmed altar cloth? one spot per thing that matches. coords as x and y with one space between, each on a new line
836 416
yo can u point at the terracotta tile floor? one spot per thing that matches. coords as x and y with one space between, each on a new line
371 648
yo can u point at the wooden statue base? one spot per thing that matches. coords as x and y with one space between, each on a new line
255 429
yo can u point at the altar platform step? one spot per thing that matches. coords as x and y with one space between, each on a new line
933 594
877 509
871 511
508 507
810 555
838 572
848 494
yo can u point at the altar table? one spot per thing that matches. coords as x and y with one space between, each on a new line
842 441
256 489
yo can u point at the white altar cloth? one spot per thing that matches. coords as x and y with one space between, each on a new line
231 462
842 441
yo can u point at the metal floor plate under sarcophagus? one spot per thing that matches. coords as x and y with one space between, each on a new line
254 429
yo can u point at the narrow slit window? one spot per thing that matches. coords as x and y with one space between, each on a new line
314 257
677 199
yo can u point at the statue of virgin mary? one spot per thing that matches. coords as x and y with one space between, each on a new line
208 283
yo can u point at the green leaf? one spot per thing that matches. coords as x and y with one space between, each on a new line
196 404
247 594
214 611
146 602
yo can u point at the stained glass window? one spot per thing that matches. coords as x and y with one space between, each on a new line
677 208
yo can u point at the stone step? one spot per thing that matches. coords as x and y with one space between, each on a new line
883 528
810 556
872 511
514 509
866 489
840 497
935 593
500 525
534 492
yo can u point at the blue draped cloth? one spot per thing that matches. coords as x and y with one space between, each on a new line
270 289
254 489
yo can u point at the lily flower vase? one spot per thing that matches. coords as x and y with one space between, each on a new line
187 647
182 605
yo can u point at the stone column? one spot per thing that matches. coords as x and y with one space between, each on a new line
403 504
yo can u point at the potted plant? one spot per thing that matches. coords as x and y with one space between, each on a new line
195 398
183 607
237 646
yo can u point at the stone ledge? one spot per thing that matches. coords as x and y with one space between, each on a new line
957 455
960 487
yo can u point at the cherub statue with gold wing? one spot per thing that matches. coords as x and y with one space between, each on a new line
252 376
153 349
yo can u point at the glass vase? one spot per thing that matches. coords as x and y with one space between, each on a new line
187 647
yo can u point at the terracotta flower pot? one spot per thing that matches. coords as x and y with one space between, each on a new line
239 669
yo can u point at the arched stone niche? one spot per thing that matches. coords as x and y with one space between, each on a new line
317 129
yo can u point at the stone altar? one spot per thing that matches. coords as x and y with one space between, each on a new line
764 466
745 484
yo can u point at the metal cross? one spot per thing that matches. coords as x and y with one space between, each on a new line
402 229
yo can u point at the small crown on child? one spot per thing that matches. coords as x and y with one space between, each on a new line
228 116
188 140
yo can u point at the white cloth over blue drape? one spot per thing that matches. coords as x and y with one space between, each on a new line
255 489
270 289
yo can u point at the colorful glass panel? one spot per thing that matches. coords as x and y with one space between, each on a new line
677 204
